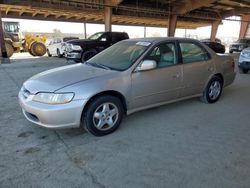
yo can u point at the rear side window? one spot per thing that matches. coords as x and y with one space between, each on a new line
118 37
191 52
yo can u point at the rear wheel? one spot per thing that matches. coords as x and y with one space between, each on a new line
103 116
243 71
9 49
231 51
213 90
38 48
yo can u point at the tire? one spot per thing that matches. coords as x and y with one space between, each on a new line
31 53
9 49
231 51
48 53
38 49
243 71
109 113
213 90
87 55
58 53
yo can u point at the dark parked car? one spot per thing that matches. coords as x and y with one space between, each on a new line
83 49
239 45
215 46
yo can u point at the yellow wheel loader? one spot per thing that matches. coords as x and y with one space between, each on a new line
34 44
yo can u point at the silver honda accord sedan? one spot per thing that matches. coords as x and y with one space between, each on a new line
129 76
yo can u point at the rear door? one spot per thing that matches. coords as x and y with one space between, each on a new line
161 84
197 67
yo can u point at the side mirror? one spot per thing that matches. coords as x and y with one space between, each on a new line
103 39
146 65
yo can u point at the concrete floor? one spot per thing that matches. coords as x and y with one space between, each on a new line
185 144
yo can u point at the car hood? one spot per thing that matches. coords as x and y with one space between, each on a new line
237 43
247 50
55 79
80 41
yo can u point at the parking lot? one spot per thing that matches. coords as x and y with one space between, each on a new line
185 144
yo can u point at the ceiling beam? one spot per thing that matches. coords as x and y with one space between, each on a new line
7 10
22 11
35 13
189 5
113 2
235 12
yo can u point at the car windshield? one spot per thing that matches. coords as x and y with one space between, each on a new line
121 55
95 36
242 40
69 38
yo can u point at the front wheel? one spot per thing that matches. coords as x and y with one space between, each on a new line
243 71
87 55
213 90
103 116
231 51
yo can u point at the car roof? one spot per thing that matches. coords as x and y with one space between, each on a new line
159 39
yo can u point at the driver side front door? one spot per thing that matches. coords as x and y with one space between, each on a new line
160 85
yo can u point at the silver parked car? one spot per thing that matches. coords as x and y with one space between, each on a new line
129 76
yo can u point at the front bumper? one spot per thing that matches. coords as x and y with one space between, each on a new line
244 62
244 65
74 55
50 115
236 48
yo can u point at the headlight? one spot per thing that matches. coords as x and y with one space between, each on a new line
244 54
241 47
53 98
76 47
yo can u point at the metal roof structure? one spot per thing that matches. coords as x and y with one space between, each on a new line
191 13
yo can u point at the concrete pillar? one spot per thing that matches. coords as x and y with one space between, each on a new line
244 26
145 31
2 43
108 18
85 30
172 22
214 30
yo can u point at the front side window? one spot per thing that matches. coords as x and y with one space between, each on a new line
192 52
164 55
95 36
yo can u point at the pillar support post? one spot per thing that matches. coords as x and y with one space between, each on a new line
244 26
172 22
108 18
214 30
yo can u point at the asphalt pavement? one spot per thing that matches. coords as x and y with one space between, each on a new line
184 144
